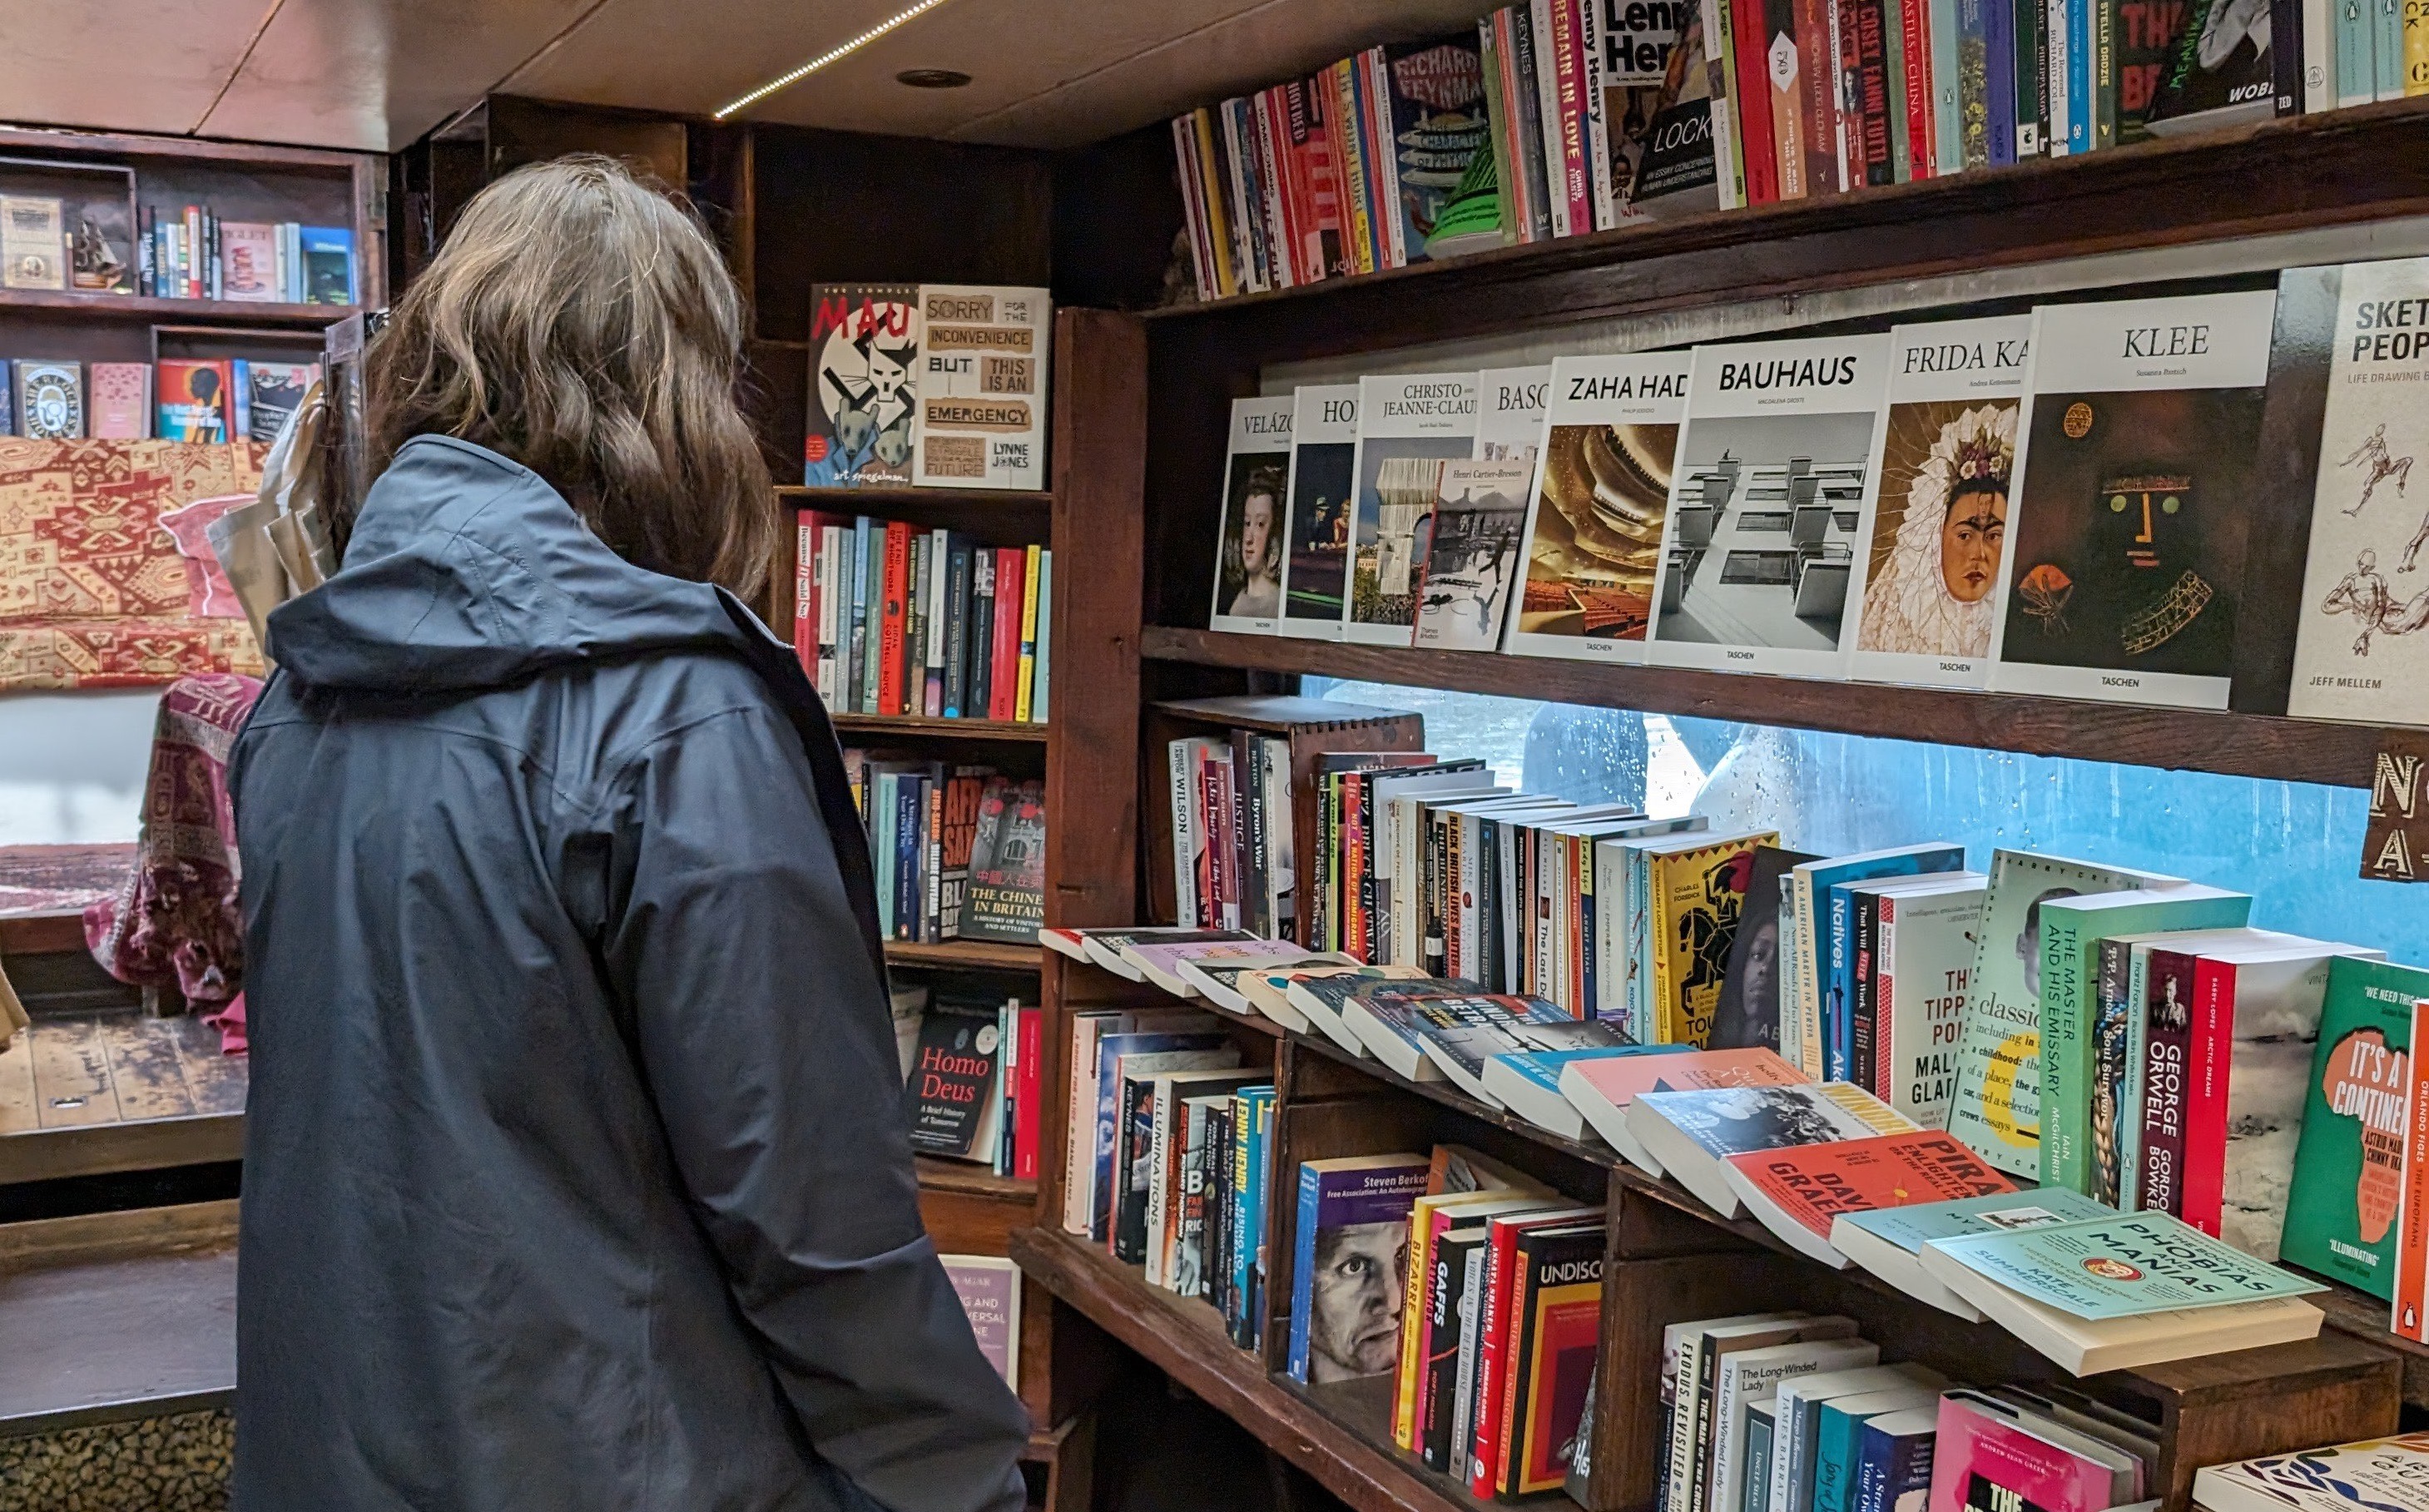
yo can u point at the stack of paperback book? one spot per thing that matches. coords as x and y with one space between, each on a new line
892 620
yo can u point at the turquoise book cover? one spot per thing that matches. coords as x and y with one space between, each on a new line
1911 1227
2123 1265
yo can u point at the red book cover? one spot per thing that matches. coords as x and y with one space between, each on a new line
2208 1060
1312 177
2167 1080
1557 1313
1983 1457
1282 167
1215 883
1812 1183
1752 33
1494 1345
1004 680
1914 26
891 622
1868 94
1029 1094
1573 181
805 592
2412 1221
1817 56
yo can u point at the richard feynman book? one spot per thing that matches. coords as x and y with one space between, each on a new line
1408 426
1601 491
1768 502
2141 434
2360 650
1248 547
1946 454
1323 459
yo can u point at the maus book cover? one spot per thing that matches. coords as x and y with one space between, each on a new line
1316 523
1947 453
1249 550
2137 476
1407 427
1600 494
864 384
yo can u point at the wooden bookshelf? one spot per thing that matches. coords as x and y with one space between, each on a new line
140 307
972 1180
2243 745
965 955
916 727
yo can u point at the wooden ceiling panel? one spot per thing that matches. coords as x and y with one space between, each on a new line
377 73
129 65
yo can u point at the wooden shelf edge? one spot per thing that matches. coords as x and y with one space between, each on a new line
907 726
102 1149
2216 740
840 500
1185 1340
967 1179
968 955
135 306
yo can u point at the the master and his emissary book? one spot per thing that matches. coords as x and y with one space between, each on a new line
1601 491
1945 455
2136 474
1768 499
1250 561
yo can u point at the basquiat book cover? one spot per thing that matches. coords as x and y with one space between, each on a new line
1601 490
864 384
2126 522
1947 453
1324 451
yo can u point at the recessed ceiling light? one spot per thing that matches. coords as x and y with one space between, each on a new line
828 57
932 78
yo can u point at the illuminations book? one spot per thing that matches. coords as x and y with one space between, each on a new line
1408 426
2360 652
1944 458
983 386
1249 550
1601 491
2140 434
1767 503
1324 453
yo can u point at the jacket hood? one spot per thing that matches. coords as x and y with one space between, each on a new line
467 571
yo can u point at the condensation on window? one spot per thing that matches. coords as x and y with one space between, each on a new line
2294 846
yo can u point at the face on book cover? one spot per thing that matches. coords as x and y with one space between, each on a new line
1354 1320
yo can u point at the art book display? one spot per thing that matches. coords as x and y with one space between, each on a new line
981 387
1946 453
1600 494
864 384
1248 574
2359 650
1407 427
1767 502
1322 460
1470 547
2125 538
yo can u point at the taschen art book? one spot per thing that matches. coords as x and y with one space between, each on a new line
1248 548
2135 480
1600 493
1945 458
1768 500
1408 426
1471 558
1323 455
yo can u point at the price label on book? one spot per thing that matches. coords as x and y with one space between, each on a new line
2395 845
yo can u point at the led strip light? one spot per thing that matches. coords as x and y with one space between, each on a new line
824 59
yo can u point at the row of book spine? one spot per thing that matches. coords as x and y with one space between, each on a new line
211 399
1230 803
1596 112
889 619
195 255
953 848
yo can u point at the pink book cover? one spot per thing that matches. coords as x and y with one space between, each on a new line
1620 1078
1981 1463
990 1293
121 400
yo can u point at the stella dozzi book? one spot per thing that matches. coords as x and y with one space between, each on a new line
2140 434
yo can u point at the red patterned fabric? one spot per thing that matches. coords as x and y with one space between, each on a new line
95 592
176 923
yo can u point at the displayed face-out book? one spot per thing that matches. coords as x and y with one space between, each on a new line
1408 426
1324 453
1600 493
864 384
983 386
1249 550
2349 1165
2373 1472
1510 413
2359 650
2138 469
1769 500
1471 560
1945 458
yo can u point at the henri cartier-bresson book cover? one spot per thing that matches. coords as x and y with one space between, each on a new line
1600 493
1249 560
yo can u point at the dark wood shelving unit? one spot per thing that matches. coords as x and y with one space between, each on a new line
2243 745
965 955
142 307
911 727
972 1180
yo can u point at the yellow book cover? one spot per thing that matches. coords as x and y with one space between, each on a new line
1422 1230
1350 166
2415 47
1697 893
1219 220
1028 638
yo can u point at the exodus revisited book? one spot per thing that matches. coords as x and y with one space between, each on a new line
1768 500
1600 493
1945 458
2349 1165
1407 427
864 384
981 387
1249 546
1322 477
2138 471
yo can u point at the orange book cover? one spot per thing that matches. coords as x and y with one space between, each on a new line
1813 1183
2412 1220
